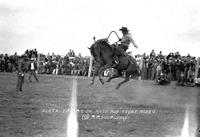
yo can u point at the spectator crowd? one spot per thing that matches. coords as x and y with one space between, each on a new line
70 64
171 67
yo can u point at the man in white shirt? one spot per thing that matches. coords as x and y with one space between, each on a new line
126 40
32 68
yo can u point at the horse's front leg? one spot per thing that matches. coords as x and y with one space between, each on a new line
101 70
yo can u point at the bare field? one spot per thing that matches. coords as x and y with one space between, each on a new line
137 109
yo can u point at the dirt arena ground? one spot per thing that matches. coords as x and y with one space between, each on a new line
138 109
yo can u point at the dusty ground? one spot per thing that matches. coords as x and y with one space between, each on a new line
41 110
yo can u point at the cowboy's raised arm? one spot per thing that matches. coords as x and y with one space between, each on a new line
132 41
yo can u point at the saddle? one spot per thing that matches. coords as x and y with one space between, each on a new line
119 51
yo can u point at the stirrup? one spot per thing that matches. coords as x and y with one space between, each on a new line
116 62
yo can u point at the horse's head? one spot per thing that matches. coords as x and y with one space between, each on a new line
94 52
96 47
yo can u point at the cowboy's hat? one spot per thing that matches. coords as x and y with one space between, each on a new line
124 29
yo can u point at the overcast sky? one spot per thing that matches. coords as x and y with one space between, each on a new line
59 25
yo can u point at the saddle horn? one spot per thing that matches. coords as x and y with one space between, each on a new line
94 38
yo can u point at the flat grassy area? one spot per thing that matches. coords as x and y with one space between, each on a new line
137 109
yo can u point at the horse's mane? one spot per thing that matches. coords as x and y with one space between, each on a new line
103 42
100 44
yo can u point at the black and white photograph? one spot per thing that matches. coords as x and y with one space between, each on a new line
99 68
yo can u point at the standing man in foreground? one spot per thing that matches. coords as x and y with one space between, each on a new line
21 68
32 67
126 40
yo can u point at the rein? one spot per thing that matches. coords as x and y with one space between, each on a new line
115 34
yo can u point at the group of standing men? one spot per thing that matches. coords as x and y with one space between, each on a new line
21 69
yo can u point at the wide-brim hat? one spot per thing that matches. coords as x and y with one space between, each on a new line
124 29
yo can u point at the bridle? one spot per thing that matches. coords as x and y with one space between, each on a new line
99 50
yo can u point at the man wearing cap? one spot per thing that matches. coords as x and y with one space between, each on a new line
32 68
21 68
126 40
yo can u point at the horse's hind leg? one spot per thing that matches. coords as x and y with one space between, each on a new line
124 81
119 74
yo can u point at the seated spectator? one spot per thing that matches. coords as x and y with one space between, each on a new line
163 79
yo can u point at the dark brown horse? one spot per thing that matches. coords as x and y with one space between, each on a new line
103 54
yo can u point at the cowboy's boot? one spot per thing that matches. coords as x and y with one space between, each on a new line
116 61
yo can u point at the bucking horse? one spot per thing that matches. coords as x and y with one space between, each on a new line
103 53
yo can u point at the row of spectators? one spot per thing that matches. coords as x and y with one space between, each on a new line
70 64
174 66
67 65
31 53
8 63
